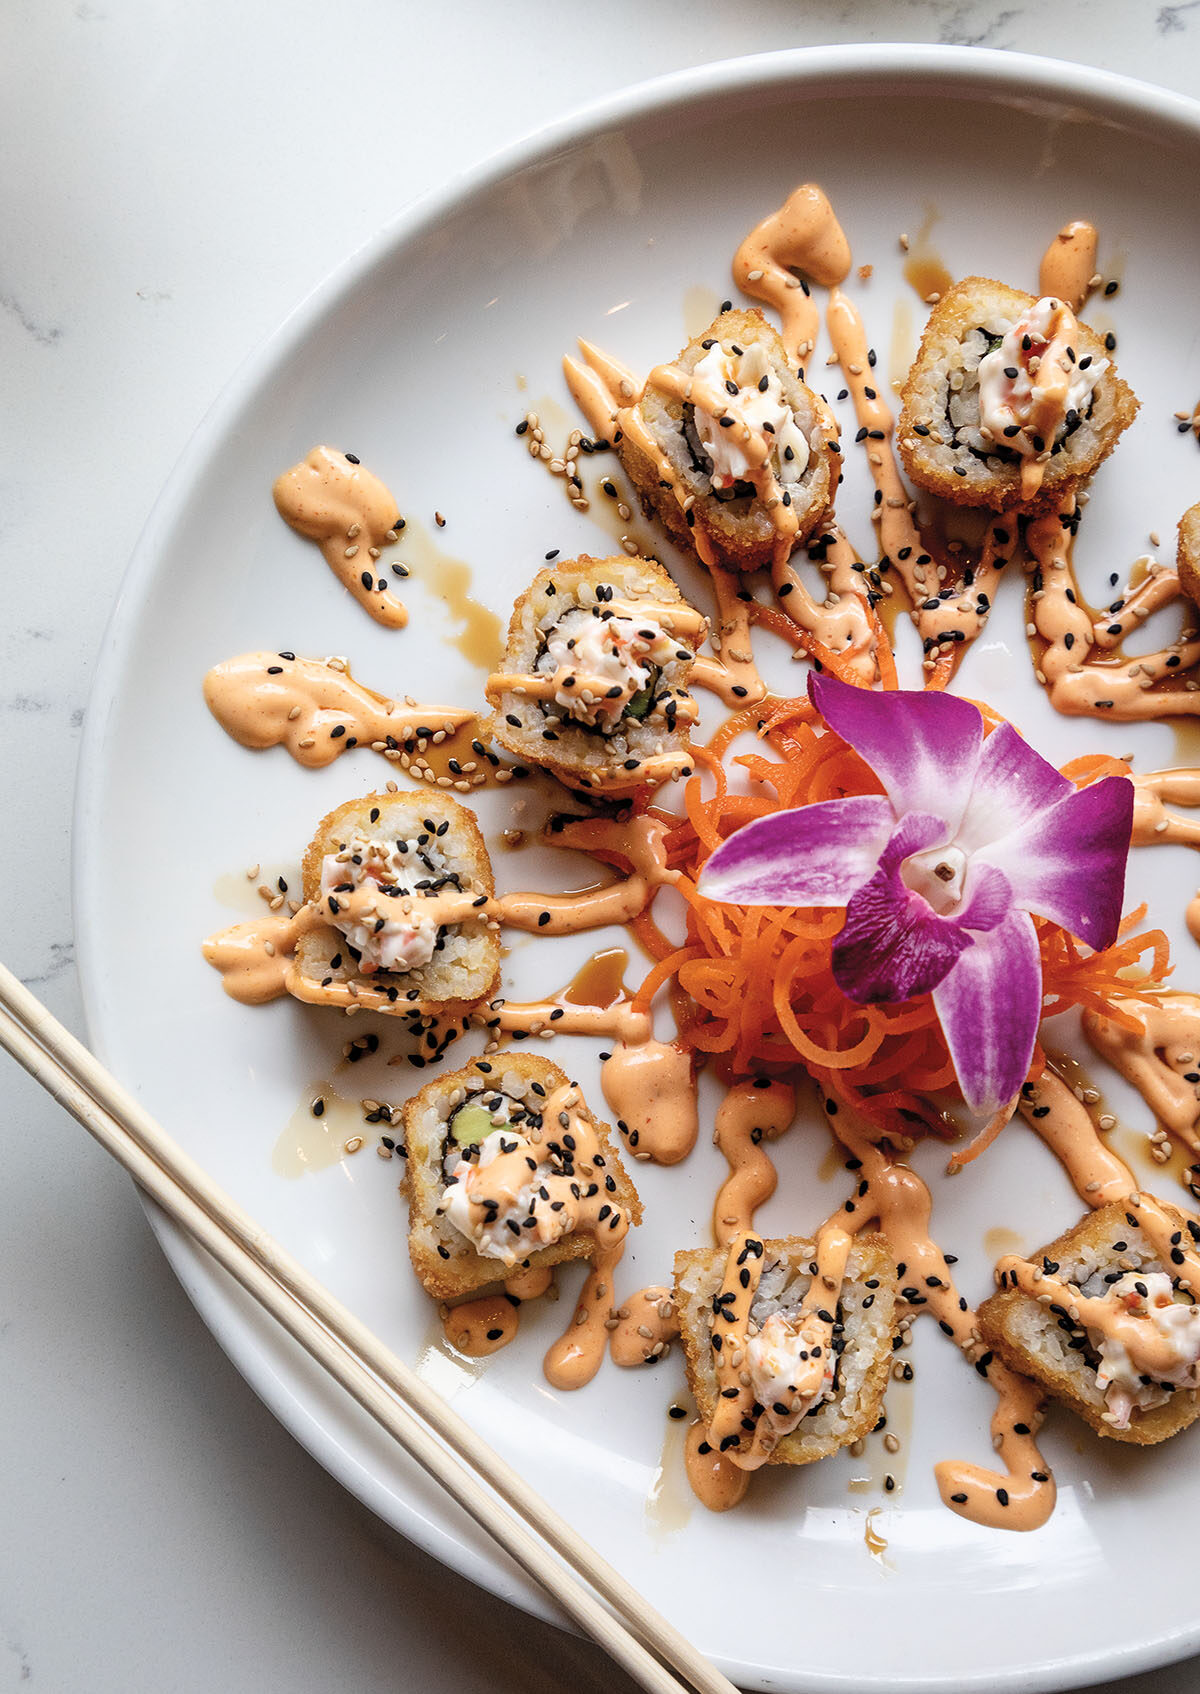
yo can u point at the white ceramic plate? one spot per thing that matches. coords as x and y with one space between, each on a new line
420 355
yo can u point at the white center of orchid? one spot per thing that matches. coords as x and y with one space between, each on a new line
938 875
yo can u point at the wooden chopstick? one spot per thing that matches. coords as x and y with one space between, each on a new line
428 1429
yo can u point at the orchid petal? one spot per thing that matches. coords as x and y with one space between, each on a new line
923 747
1012 783
811 856
1068 863
989 899
989 1007
893 945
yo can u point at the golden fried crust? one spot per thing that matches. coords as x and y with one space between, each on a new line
1187 555
960 310
339 825
306 974
736 543
801 1447
525 741
464 1271
998 1326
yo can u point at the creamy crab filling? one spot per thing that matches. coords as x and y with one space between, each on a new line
1121 1372
1035 385
791 1368
750 423
506 1206
403 940
608 664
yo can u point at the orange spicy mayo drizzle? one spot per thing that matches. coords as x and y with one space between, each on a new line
1063 1122
651 1088
715 1481
314 708
1153 791
1162 1062
842 623
254 957
736 679
947 628
1068 267
1151 1351
803 235
899 538
576 1356
751 1113
691 390
1077 683
608 394
1022 1496
333 500
482 1326
1158 588
649 1084
583 1194
732 1330
1047 409
643 1328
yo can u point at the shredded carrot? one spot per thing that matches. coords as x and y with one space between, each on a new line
942 674
758 981
780 624
1092 766
884 657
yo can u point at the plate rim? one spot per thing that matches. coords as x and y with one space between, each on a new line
242 1332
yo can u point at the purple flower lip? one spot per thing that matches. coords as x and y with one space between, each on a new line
940 877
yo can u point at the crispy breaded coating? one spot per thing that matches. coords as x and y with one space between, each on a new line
1033 1339
445 1261
465 969
635 752
737 533
868 1314
1187 554
937 434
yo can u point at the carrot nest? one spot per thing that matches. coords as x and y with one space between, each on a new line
753 985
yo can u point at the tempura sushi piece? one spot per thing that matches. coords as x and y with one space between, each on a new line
497 1183
1104 1325
811 1382
426 851
1187 555
1011 401
594 684
729 449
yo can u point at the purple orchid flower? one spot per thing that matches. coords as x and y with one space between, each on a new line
939 877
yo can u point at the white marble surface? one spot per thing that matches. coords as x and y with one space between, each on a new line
172 179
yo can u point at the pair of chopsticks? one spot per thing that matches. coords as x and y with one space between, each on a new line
545 1546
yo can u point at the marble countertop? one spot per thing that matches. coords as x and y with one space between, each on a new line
174 178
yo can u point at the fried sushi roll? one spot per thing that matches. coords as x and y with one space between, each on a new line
1187 553
496 1182
729 448
594 685
414 944
1011 401
782 1375
1104 1321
